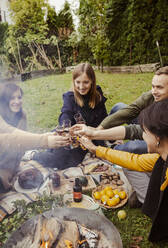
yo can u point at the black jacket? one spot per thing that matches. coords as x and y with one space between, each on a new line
60 157
93 117
156 203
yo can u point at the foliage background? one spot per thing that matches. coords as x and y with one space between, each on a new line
110 32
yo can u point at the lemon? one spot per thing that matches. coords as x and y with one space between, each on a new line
122 194
117 198
107 188
102 192
111 202
97 195
104 199
114 201
109 193
121 214
115 191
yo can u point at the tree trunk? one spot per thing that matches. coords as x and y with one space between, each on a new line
44 56
59 56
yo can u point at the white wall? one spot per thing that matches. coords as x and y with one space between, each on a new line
4 11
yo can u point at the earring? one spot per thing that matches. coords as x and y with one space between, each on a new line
158 143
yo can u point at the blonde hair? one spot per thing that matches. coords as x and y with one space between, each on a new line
95 96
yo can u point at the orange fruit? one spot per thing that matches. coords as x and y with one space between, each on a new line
104 199
109 193
111 202
122 194
97 195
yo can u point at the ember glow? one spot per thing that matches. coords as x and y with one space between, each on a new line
46 235
45 244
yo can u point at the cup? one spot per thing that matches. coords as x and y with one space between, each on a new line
79 118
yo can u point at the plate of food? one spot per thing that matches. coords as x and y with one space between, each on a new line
110 196
30 180
96 168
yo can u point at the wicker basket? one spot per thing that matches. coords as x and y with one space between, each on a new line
101 187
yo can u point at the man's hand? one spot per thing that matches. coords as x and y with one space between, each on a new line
82 129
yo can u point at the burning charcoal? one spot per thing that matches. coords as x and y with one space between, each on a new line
90 236
70 232
83 244
51 229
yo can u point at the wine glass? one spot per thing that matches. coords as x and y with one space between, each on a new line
66 124
59 129
79 118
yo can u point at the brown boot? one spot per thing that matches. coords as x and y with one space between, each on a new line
133 201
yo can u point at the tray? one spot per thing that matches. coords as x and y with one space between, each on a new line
88 168
101 187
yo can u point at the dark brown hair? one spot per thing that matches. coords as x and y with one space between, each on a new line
6 92
155 118
95 97
162 70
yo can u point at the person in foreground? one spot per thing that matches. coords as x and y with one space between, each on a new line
14 143
154 121
86 103
14 140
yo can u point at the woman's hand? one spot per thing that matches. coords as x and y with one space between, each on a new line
87 143
82 129
55 141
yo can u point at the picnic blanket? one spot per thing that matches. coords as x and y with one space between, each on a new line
6 200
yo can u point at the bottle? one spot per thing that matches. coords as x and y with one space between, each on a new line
77 191
55 179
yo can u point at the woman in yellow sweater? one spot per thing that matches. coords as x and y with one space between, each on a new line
154 121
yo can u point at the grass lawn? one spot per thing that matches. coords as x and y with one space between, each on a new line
42 103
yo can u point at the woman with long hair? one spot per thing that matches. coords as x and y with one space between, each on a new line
154 121
14 141
86 101
11 105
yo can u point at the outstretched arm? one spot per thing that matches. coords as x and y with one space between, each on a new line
143 162
96 134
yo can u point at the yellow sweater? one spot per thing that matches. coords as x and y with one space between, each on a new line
142 162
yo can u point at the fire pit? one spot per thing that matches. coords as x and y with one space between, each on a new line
66 227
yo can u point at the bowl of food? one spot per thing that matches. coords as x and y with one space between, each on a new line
110 196
86 203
